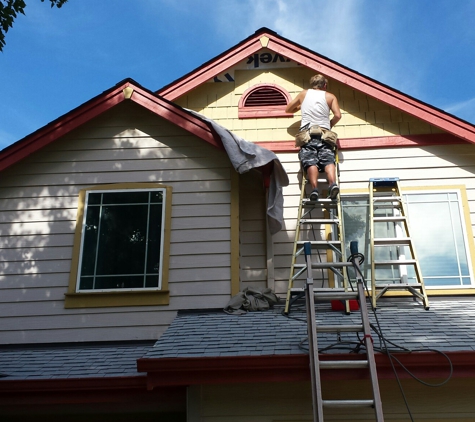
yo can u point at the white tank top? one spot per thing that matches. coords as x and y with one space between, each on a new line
315 109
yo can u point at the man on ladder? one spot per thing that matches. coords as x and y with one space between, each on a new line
317 150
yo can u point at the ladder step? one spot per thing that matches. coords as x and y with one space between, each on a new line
320 242
391 198
343 364
398 286
325 265
318 221
322 201
347 403
389 219
339 328
396 262
392 241
336 296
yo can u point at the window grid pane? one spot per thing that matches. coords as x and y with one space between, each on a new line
439 240
121 243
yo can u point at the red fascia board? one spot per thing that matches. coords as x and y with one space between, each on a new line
176 115
288 368
58 128
99 105
72 384
326 66
377 142
87 391
212 68
373 88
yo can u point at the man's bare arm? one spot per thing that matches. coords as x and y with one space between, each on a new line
295 104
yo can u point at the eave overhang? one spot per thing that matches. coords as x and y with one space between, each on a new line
308 58
127 90
287 368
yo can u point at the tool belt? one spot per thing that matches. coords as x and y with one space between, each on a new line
308 132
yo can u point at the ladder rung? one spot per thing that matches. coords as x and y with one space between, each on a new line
320 242
347 403
339 328
389 219
322 201
397 286
324 265
343 364
396 262
391 198
392 241
318 221
336 296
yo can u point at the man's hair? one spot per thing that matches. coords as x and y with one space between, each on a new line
318 81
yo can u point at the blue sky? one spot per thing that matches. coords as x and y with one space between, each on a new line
56 59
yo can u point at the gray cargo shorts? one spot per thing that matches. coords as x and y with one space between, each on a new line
316 153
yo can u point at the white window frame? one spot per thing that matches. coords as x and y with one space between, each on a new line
463 228
466 229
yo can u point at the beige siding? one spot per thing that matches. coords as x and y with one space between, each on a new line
38 207
252 237
291 402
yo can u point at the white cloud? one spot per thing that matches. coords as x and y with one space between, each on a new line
464 109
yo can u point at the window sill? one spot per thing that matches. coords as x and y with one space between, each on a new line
109 299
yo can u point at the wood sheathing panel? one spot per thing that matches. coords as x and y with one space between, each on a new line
38 206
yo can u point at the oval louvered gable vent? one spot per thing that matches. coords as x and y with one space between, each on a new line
264 100
265 97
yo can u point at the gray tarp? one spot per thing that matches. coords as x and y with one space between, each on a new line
244 156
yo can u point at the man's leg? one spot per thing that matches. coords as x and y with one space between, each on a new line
330 171
333 189
312 176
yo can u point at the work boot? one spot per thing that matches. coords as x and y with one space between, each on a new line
333 191
314 195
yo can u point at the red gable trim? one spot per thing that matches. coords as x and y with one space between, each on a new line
287 368
378 142
99 105
323 65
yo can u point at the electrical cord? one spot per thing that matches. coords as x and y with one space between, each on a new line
390 354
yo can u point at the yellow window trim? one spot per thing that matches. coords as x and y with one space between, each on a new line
74 299
468 228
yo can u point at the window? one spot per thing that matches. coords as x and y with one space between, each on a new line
121 241
264 100
439 233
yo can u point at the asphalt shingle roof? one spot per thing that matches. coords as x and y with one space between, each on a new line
449 325
70 361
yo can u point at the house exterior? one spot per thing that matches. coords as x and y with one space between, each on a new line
127 225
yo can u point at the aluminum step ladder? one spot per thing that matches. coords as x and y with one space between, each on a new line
389 241
322 216
316 366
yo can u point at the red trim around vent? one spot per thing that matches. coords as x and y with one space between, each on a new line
264 100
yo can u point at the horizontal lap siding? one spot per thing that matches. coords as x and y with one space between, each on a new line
38 208
252 236
292 401
431 166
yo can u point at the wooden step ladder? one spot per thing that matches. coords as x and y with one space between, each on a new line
318 216
387 207
316 366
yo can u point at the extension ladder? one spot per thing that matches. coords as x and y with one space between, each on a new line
315 218
316 366
389 236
